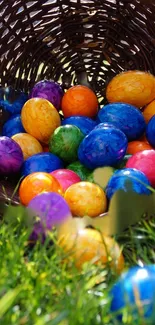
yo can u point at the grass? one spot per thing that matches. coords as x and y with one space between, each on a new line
37 288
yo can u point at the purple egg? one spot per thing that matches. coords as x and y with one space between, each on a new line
11 156
49 90
51 208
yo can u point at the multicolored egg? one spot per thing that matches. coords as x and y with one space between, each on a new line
35 184
41 162
66 178
125 117
29 145
49 90
11 156
103 147
144 161
79 100
86 199
127 179
65 142
132 87
13 126
40 118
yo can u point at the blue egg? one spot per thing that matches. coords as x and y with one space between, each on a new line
105 125
102 147
120 181
150 132
85 124
14 101
13 126
41 162
125 117
135 286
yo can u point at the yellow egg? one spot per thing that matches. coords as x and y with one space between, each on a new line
29 145
149 111
132 87
40 118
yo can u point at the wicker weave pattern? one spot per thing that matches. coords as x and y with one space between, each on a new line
75 41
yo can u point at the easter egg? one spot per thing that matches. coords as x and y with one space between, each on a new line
86 199
125 117
132 87
85 124
66 178
79 169
150 132
102 147
136 146
144 161
79 100
40 118
41 162
104 125
13 100
11 156
29 145
13 126
49 90
50 208
65 142
135 289
37 183
126 180
89 245
149 111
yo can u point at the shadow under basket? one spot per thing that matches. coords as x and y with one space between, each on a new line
74 42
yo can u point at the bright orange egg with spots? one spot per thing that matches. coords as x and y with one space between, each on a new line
29 145
86 199
79 100
40 118
149 111
89 245
133 87
37 183
136 146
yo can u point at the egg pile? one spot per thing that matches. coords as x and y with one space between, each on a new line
57 142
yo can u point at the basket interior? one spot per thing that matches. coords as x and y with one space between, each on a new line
74 42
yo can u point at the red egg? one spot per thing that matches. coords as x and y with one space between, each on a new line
66 178
145 162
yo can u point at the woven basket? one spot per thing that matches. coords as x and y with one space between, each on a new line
73 42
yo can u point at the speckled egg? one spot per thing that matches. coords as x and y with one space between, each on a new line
125 117
11 156
29 145
86 199
132 87
65 142
41 162
124 179
103 147
40 118
13 126
49 90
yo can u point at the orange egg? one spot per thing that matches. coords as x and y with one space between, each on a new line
29 145
40 118
149 111
79 100
36 183
86 199
89 245
136 146
132 87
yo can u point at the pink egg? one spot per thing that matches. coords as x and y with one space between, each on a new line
66 178
145 162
